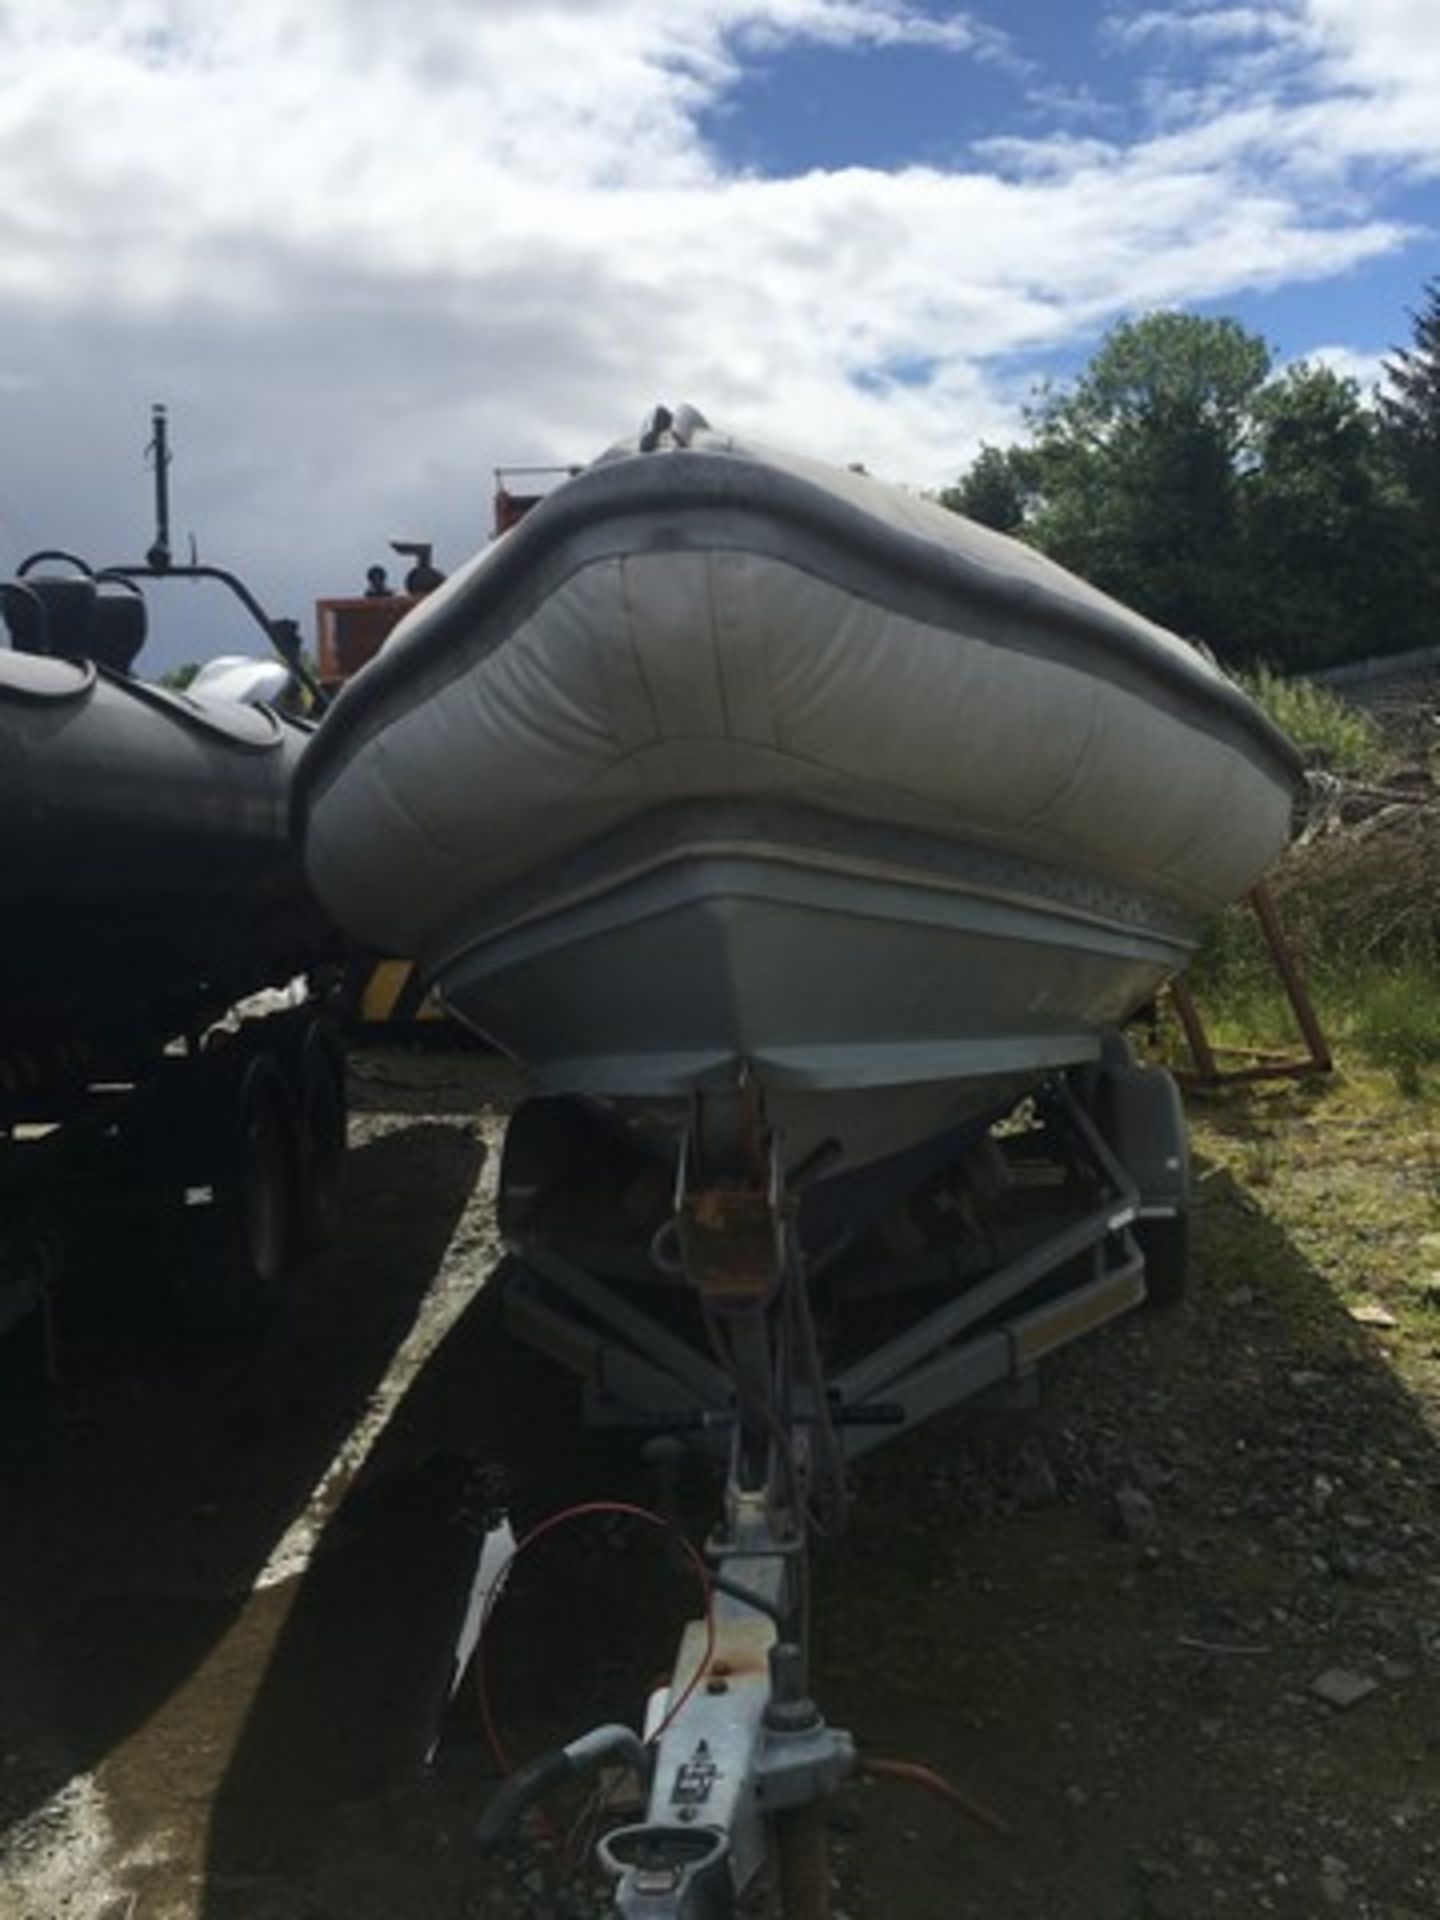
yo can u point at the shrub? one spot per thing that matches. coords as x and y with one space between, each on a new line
1366 895
1327 730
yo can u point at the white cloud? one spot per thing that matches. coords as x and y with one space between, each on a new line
367 250
1205 26
1389 47
1367 370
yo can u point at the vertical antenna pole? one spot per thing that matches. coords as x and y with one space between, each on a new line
159 556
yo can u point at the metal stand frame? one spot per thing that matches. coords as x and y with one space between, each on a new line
1206 1070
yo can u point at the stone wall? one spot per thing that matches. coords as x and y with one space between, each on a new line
1402 690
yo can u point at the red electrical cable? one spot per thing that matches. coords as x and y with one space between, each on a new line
585 1510
927 1777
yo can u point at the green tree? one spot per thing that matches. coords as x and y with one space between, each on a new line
1410 410
1272 516
1139 464
997 489
1331 558
178 678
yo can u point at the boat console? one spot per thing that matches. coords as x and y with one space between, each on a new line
75 616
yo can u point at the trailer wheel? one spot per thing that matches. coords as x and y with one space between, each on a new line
1165 1243
322 1121
1140 1113
237 1244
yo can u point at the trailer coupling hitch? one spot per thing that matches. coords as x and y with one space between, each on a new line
532 1782
670 1873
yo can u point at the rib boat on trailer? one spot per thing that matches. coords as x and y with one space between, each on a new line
793 829
169 1082
726 765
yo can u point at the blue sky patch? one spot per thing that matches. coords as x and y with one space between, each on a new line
804 108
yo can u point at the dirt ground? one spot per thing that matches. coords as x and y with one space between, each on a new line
1180 1628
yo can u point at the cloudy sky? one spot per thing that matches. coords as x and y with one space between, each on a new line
369 249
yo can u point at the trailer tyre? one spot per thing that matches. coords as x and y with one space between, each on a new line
322 1124
1165 1244
1140 1113
238 1242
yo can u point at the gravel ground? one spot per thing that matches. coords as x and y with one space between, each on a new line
1179 1629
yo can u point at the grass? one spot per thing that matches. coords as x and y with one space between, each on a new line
1350 1176
1375 1012
1393 1017
1360 906
1328 731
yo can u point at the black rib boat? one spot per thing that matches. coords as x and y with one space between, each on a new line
147 877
